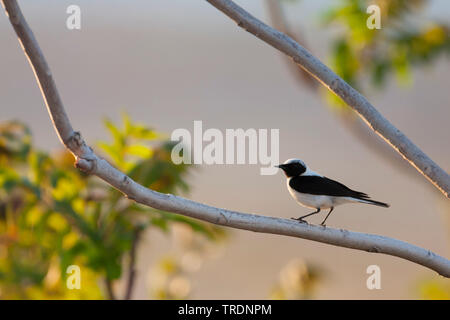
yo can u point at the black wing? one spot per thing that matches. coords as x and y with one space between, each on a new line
323 186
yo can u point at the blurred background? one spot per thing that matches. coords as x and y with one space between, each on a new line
137 70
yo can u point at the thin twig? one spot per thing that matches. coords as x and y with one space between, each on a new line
399 141
109 289
132 266
88 161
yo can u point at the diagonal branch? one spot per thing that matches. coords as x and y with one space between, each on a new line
356 128
398 140
88 161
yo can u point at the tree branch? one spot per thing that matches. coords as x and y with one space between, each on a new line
399 141
350 121
88 161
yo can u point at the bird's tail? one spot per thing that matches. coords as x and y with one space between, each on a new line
375 203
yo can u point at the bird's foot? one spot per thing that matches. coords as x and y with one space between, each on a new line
300 220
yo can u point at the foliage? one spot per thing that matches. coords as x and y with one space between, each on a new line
435 289
399 45
53 216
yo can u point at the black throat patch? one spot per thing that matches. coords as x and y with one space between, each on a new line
293 169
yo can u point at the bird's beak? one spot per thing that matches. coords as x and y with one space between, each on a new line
279 166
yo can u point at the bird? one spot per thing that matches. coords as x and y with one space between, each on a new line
312 190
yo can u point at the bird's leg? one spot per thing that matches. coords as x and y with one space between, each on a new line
323 222
310 214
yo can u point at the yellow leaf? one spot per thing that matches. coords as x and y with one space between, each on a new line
57 222
139 150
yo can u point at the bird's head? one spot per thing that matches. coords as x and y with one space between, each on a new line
293 167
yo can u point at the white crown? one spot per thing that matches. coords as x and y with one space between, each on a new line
294 160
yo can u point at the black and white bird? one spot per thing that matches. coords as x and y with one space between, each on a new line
313 190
